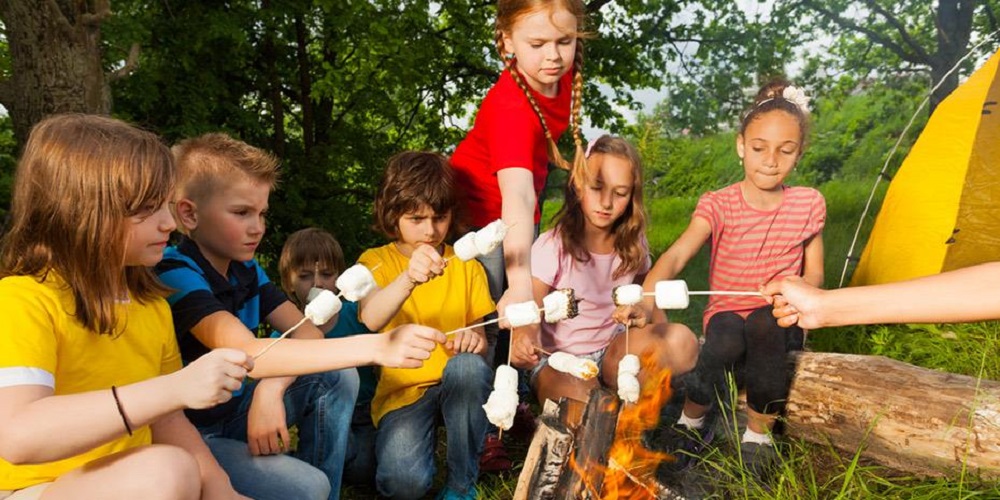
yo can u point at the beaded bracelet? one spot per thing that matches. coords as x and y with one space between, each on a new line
121 411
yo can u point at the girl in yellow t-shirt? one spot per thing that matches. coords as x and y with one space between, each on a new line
91 385
414 208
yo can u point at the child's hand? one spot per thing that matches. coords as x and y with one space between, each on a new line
523 354
408 346
511 296
211 379
633 316
473 341
267 428
795 302
425 264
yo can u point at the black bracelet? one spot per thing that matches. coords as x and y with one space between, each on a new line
118 403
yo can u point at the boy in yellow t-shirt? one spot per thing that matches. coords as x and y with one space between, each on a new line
414 207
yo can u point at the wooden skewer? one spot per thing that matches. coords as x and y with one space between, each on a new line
713 292
543 351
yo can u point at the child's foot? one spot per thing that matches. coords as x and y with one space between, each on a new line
685 444
760 460
450 494
494 458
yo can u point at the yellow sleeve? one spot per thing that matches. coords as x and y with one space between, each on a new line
171 352
28 337
478 290
375 258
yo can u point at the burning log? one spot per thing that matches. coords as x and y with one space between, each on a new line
905 417
594 439
547 455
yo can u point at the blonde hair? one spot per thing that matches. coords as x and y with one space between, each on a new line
307 248
207 163
629 229
78 181
508 13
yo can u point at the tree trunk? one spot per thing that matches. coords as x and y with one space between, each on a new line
56 65
953 19
903 416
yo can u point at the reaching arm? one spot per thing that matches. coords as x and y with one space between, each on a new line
525 340
812 269
957 296
378 308
519 200
37 426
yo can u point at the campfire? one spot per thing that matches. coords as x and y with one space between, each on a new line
603 457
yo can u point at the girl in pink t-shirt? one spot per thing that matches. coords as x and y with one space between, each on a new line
598 243
759 230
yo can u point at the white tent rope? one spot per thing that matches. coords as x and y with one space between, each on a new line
892 152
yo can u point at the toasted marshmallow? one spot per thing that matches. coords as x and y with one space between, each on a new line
559 305
672 294
627 295
356 283
581 368
323 307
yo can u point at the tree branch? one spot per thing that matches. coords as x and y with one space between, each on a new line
595 5
872 34
102 11
131 63
901 29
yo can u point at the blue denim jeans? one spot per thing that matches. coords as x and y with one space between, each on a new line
406 437
359 466
321 405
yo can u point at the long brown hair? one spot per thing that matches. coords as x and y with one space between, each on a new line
78 181
769 98
629 229
508 13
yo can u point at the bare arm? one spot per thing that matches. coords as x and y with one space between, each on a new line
378 308
518 192
812 269
524 340
406 346
37 426
963 295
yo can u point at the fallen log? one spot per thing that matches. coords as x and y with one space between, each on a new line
902 416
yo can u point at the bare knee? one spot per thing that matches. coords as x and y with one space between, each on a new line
167 472
680 351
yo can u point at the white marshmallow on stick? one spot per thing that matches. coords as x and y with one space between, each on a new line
629 364
501 406
523 314
671 294
356 283
581 368
559 305
481 242
628 387
321 309
627 295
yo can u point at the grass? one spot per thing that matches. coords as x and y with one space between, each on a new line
809 471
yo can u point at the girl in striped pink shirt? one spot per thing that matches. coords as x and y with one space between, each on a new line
759 230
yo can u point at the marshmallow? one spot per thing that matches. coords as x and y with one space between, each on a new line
581 368
323 307
491 236
313 293
356 282
627 295
672 294
505 379
628 387
465 247
629 364
501 406
559 305
523 314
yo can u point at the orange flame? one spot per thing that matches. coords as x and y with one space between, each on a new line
631 467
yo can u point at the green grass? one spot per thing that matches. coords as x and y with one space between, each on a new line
809 471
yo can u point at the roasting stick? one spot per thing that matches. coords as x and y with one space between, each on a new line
713 292
303 320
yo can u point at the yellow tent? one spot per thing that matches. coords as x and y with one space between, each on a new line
942 209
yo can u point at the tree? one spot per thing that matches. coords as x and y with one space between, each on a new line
887 35
56 60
